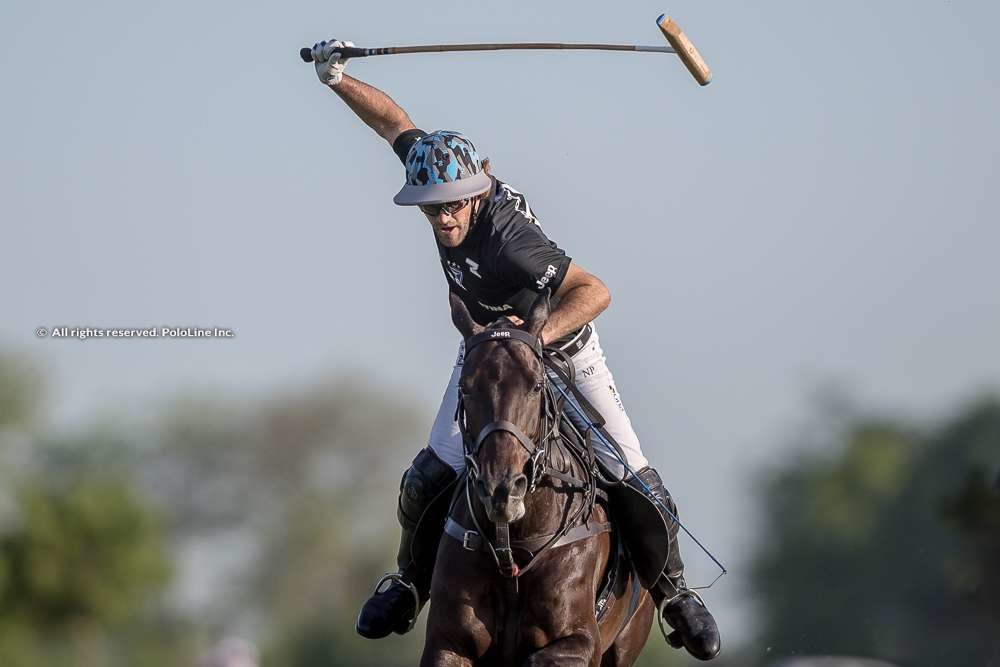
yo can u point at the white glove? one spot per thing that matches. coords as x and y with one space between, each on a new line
329 65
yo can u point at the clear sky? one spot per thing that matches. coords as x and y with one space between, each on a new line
824 210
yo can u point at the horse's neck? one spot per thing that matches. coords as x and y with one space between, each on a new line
548 507
545 510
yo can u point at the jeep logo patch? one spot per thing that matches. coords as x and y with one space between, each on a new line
550 273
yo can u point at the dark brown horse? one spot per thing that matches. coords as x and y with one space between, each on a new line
520 588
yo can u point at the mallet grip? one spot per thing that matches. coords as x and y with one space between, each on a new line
346 52
685 49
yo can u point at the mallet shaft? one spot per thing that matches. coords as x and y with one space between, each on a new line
357 52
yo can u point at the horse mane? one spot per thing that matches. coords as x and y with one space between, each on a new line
502 322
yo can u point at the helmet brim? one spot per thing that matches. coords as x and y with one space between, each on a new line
442 193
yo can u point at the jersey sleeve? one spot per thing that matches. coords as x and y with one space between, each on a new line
401 146
530 260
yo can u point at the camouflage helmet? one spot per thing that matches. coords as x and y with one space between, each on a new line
442 167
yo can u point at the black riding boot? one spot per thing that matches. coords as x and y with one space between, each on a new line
682 608
395 609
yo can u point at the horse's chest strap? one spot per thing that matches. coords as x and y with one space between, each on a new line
473 541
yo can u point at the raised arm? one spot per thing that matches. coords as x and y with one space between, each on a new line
375 108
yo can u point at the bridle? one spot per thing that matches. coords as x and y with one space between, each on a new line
537 450
539 467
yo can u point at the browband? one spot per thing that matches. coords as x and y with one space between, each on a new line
505 334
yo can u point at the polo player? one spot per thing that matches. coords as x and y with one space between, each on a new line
496 258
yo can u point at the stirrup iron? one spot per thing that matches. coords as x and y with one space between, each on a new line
673 637
395 577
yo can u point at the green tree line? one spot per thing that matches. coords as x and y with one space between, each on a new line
884 541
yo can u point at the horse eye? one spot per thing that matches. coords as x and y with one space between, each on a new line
538 386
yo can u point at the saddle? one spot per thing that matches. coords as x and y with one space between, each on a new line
619 572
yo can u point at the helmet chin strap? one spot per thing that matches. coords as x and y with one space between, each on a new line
475 211
477 200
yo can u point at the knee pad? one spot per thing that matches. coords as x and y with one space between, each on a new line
421 483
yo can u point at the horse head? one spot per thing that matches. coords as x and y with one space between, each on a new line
503 398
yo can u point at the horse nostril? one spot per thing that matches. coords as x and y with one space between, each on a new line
519 486
481 487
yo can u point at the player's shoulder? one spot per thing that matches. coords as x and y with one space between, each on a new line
510 208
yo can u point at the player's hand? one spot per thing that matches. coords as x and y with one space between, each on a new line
329 65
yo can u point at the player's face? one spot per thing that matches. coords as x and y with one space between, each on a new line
450 222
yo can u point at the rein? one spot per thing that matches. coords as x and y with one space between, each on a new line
571 528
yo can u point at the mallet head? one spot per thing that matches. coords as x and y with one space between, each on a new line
685 49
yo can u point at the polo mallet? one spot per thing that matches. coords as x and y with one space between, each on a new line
679 44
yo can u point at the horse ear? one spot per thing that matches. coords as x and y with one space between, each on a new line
461 318
538 315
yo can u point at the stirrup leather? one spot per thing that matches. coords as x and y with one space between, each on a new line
395 577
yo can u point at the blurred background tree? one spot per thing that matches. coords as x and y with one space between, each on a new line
885 542
82 555
20 392
145 539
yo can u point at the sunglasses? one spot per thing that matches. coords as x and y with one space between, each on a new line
451 207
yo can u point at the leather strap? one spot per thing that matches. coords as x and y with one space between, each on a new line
504 551
473 541
577 342
579 339
509 427
568 379
571 481
505 334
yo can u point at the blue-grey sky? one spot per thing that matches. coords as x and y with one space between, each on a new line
825 209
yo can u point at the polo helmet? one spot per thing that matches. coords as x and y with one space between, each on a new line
442 167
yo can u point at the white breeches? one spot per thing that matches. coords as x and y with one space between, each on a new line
594 381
